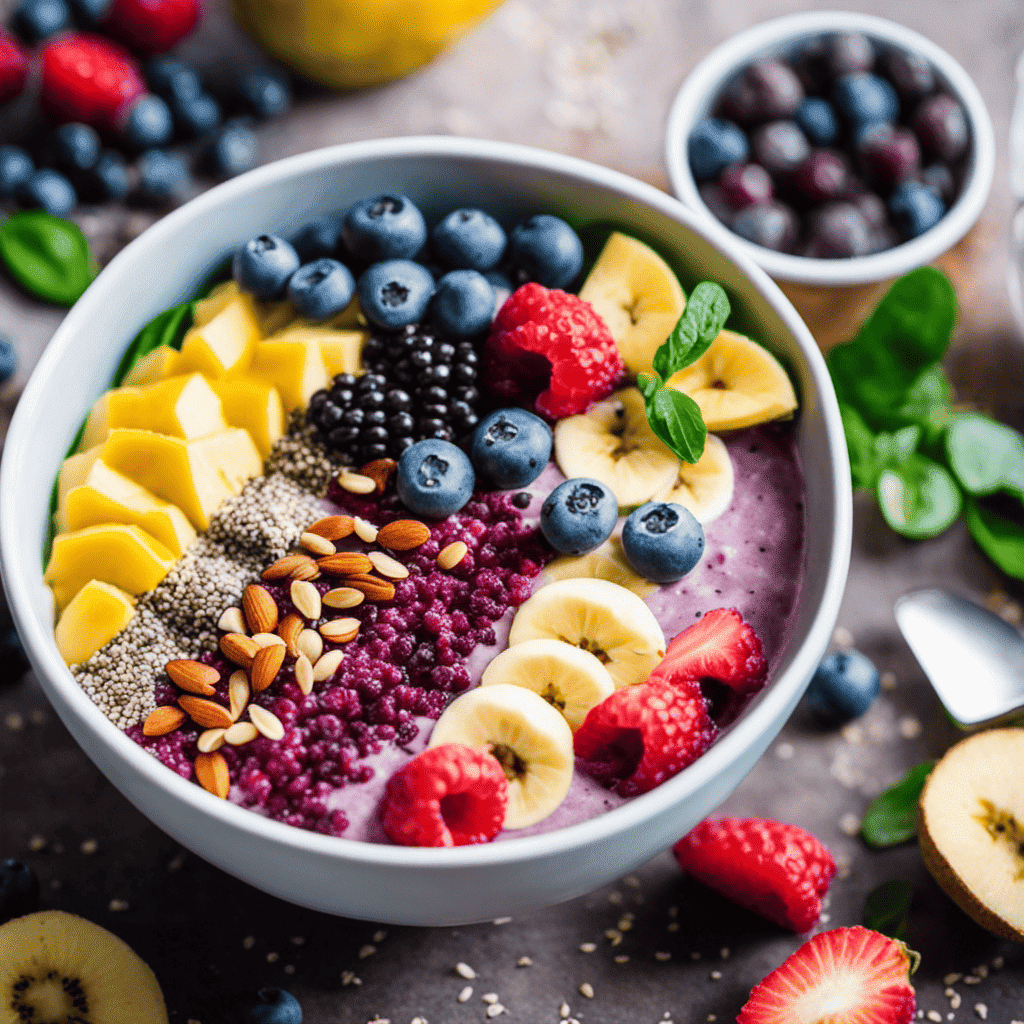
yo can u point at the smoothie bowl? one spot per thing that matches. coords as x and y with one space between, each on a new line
340 579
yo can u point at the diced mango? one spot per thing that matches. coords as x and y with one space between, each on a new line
125 556
97 424
274 316
206 309
95 615
292 362
233 456
255 406
225 343
342 351
74 470
152 367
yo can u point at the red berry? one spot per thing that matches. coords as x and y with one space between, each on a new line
778 871
87 78
451 795
644 734
847 974
551 345
151 26
13 66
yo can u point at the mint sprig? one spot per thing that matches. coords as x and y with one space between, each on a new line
673 416
892 817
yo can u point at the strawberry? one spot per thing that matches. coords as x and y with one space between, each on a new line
550 350
13 66
778 871
450 795
845 976
644 734
87 78
151 26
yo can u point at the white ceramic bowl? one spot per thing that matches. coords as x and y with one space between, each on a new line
377 882
822 288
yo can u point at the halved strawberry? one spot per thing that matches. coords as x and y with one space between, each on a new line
845 976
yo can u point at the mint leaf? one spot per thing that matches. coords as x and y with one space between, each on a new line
887 908
918 498
676 419
167 328
985 456
860 443
705 314
891 818
649 385
1001 539
894 450
47 255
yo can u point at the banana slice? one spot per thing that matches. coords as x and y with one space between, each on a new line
530 739
568 678
737 383
601 617
614 443
705 487
608 562
637 295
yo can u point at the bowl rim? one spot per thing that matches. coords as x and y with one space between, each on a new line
57 679
719 65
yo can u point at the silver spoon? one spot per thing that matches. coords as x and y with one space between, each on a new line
972 657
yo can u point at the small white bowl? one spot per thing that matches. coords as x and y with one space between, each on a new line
377 882
828 288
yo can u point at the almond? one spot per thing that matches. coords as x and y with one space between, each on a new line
304 674
380 471
163 720
343 597
265 667
450 556
388 566
288 630
239 648
306 599
206 713
232 621
284 567
266 721
345 563
241 733
306 571
317 545
403 534
372 587
193 676
340 631
311 644
211 740
365 530
266 639
213 775
333 527
238 693
260 609
356 483
327 665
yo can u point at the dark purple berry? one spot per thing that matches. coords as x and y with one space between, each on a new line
871 208
780 147
772 225
746 185
941 125
939 178
714 199
763 91
848 53
823 177
909 72
888 155
837 231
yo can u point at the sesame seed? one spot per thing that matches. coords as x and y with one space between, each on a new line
981 1010
716 975
842 637
464 970
888 680
587 990
465 995
850 824
89 846
494 1009
955 1001
380 935
784 751
490 997
248 942
672 926
622 958
503 920
37 843
564 1011
662 955
997 963
118 906
725 952
588 947
615 897
349 978
935 1016
970 979
951 979
367 950
524 961
272 958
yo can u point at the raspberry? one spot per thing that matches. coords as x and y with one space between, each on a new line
13 66
151 26
644 734
778 871
451 795
550 350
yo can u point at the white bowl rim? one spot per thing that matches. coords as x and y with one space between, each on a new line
724 61
43 654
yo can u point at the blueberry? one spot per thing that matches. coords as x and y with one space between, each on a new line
8 360
847 53
764 90
464 303
502 286
384 227
163 177
19 890
469 239
911 73
268 1006
866 99
233 150
939 178
173 79
579 515
264 266
545 249
746 185
434 478
817 119
838 231
49 190
662 541
265 94
318 238
779 146
36 20
511 447
915 208
395 293
844 687
772 225
73 147
941 125
16 167
888 155
824 176
148 124
196 116
713 145
321 289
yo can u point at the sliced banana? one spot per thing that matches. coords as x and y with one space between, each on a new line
608 562
601 617
636 293
570 679
530 739
737 383
705 487
614 443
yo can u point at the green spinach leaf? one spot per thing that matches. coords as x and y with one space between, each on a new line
887 908
47 255
891 818
985 456
860 443
918 498
1000 538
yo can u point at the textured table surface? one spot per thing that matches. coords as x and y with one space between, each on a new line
593 79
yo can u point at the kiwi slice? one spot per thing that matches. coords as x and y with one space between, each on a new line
62 969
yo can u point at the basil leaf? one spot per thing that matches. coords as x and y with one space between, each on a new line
648 385
47 255
985 456
931 391
894 450
860 443
918 498
168 328
891 818
676 419
887 908
1001 539
705 314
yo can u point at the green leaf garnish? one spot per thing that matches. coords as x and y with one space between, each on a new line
167 328
860 444
985 456
676 419
1000 538
892 817
887 908
918 498
47 255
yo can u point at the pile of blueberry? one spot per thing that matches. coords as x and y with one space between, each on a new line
842 148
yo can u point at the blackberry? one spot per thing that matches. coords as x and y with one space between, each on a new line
419 384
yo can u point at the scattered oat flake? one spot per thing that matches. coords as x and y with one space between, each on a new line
418 1020
289 968
954 1001
272 957
712 1017
588 947
380 936
716 975
725 952
524 961
37 843
662 955
615 897
464 970
888 680
981 971
622 958
297 940
784 751
632 881
37 717
177 862
695 955
465 995
910 727
494 1009
564 1011
850 824
349 978
89 846
672 926
842 637
970 979
248 942
825 918
613 934
14 721
673 911
935 1016
997 963
587 990
367 950
951 979
503 920
490 997
981 1010
118 906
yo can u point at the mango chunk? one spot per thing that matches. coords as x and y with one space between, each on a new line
97 424
292 362
125 556
274 316
74 470
225 343
95 615
233 456
255 406
206 309
107 496
342 351
152 367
